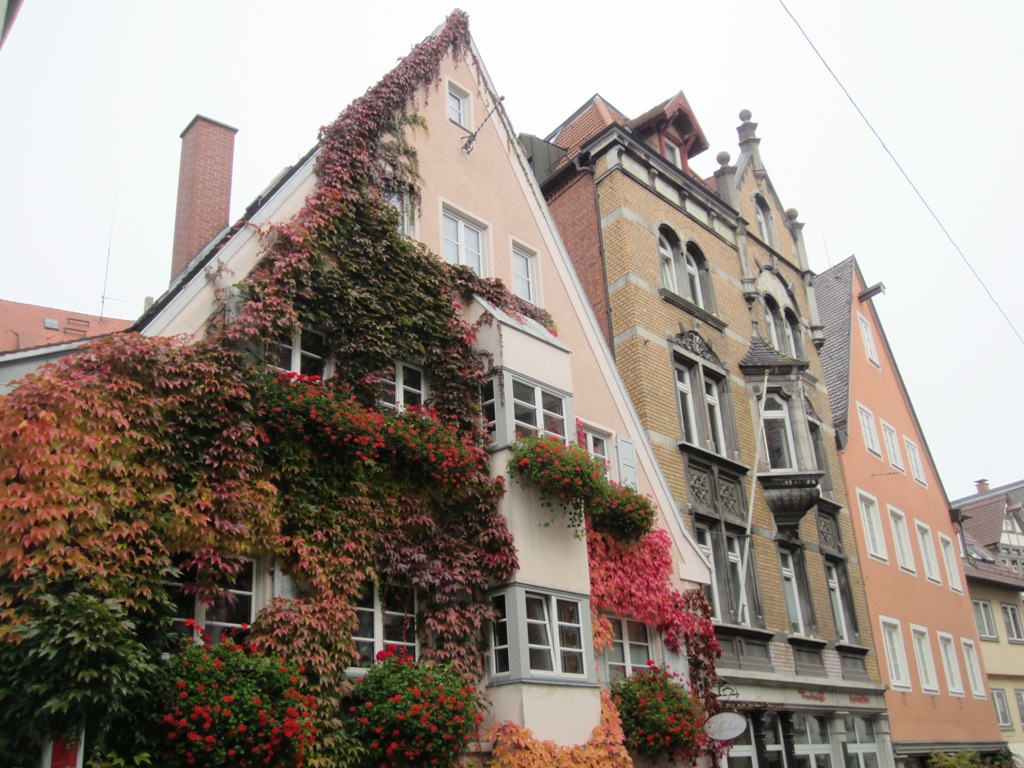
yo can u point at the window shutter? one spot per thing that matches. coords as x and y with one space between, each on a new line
627 461
284 584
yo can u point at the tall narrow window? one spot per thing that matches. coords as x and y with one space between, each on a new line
869 340
901 540
1002 708
672 153
973 668
522 275
500 659
931 566
693 276
734 552
714 408
950 665
835 597
892 446
872 526
1011 620
778 433
916 468
458 106
463 243
703 536
667 253
774 325
895 656
792 592
867 426
925 664
949 559
764 220
631 648
820 457
684 396
985 620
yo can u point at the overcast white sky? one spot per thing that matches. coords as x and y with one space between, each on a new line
95 95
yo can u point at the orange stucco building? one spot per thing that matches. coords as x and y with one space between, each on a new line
924 630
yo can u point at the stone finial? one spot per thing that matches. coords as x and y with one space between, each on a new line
723 158
745 115
792 214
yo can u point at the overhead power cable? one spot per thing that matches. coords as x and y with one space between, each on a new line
905 175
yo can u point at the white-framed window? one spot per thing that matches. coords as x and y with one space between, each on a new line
1011 620
835 598
523 278
228 613
462 242
501 662
947 649
895 655
925 662
949 559
927 544
703 402
734 554
901 540
458 106
672 153
869 341
892 446
408 388
774 324
763 217
778 433
303 351
387 617
630 650
554 634
1002 708
791 591
974 676
684 270
536 409
867 426
914 457
861 743
703 536
985 620
402 203
599 446
1018 694
872 520
810 741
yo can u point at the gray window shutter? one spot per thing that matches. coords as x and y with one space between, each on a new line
284 584
627 461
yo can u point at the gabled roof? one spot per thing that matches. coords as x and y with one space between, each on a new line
983 519
26 326
763 356
1016 487
585 123
678 112
833 290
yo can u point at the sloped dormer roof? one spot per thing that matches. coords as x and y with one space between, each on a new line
833 290
678 113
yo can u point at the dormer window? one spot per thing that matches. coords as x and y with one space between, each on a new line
673 154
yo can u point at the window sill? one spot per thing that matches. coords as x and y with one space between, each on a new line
740 630
809 643
572 682
707 455
989 639
852 650
688 306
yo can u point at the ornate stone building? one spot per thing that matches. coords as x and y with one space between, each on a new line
704 293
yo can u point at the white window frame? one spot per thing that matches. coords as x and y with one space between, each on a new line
985 618
702 535
716 419
974 676
703 404
501 634
458 105
925 663
1003 716
544 417
835 596
402 203
623 645
734 555
929 559
892 446
693 277
814 751
858 749
764 220
299 355
1018 695
527 279
401 389
951 562
914 459
901 540
599 445
463 255
791 591
950 666
871 518
868 335
895 653
555 646
1012 622
380 614
201 614
780 415
867 427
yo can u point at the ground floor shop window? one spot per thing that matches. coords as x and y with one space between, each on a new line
810 741
861 743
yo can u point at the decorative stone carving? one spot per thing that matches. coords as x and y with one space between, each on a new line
700 488
790 495
730 502
692 341
827 532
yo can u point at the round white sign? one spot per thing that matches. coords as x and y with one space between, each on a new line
725 726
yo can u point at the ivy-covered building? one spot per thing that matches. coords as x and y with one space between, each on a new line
330 457
703 291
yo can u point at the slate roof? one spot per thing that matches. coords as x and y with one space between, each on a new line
1016 488
762 355
986 518
24 326
833 290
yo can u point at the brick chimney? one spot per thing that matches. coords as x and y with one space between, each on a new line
981 486
204 188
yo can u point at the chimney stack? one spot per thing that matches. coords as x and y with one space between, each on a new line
204 188
981 485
